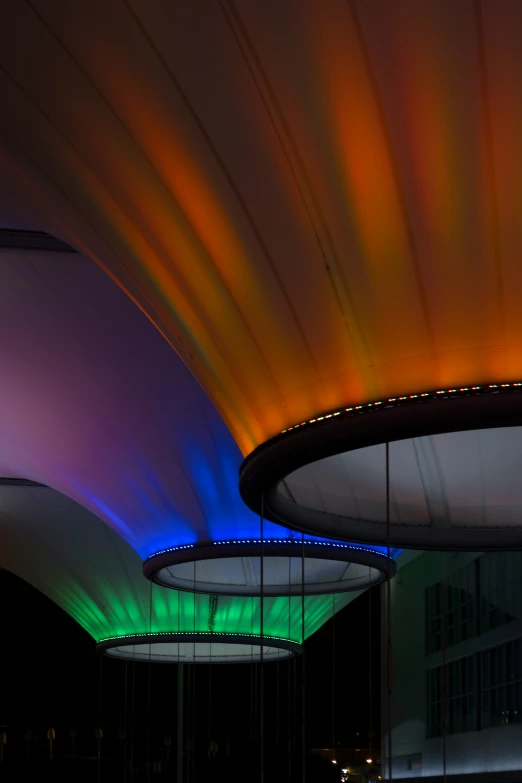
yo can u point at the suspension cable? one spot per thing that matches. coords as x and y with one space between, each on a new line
333 676
388 640
303 681
148 685
261 667
444 667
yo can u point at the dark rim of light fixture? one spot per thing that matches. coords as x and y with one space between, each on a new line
206 637
483 406
378 564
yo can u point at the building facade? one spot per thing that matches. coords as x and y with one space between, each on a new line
456 629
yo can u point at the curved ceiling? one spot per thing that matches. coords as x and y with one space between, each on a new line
95 404
95 576
312 203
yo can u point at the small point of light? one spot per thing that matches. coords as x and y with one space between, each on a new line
344 771
369 405
334 761
369 761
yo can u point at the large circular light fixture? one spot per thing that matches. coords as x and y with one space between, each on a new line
234 567
454 464
198 648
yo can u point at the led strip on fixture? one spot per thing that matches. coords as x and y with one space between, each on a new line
205 636
297 542
394 402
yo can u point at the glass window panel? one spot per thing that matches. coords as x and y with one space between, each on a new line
450 717
471 662
499 654
509 593
486 675
493 706
517 702
493 672
509 696
510 670
457 717
468 716
486 710
501 701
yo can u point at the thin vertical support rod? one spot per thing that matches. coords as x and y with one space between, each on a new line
370 679
100 710
333 676
294 702
188 734
100 691
303 681
133 725
388 614
278 711
443 704
210 703
148 687
261 667
289 671
253 675
210 693
193 698
179 744
125 741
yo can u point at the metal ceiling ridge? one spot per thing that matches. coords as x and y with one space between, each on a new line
22 239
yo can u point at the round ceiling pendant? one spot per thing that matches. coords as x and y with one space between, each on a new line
454 477
198 647
234 567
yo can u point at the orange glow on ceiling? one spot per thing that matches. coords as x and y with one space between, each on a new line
316 203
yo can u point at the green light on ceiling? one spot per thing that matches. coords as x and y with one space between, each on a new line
182 612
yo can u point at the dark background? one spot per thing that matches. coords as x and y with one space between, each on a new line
52 677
